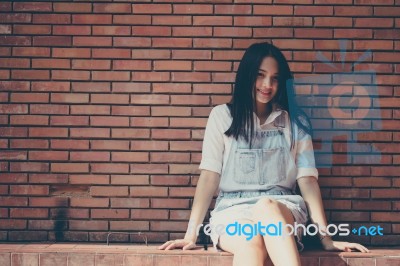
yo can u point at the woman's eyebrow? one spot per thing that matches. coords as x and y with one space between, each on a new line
266 71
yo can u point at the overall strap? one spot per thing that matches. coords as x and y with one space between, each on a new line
280 121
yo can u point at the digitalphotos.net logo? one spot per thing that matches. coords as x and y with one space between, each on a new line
250 230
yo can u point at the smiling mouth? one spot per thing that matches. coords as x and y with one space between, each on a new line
265 93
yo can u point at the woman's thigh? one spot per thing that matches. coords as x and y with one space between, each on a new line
236 243
271 211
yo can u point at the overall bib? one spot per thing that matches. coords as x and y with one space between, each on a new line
261 171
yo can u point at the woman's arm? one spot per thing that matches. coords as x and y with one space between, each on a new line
211 167
312 196
206 186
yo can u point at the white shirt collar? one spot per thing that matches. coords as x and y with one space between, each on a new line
276 112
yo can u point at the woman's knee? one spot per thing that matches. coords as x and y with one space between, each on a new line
267 205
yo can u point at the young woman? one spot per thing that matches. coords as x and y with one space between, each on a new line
256 149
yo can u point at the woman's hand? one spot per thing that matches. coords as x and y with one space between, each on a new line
185 244
331 245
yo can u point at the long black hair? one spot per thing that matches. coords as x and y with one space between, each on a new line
242 104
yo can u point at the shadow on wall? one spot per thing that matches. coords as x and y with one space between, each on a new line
60 224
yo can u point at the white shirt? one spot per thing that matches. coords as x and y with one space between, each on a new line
216 145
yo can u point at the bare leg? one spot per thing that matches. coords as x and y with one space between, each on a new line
245 252
282 250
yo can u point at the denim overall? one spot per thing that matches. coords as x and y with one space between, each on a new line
259 172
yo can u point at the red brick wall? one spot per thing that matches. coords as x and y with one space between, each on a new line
103 108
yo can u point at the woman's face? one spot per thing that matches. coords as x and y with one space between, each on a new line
267 80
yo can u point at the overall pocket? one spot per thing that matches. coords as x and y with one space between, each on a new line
246 166
273 163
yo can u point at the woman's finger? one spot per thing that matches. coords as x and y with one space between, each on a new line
163 246
364 248
347 249
344 246
189 246
361 248
171 246
357 246
176 244
168 244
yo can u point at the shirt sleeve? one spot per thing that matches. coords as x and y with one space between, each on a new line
213 144
305 160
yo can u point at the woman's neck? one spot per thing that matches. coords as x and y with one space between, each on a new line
263 110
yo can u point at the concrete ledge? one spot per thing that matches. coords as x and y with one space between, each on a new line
99 254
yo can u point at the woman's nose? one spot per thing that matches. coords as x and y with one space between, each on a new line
267 82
